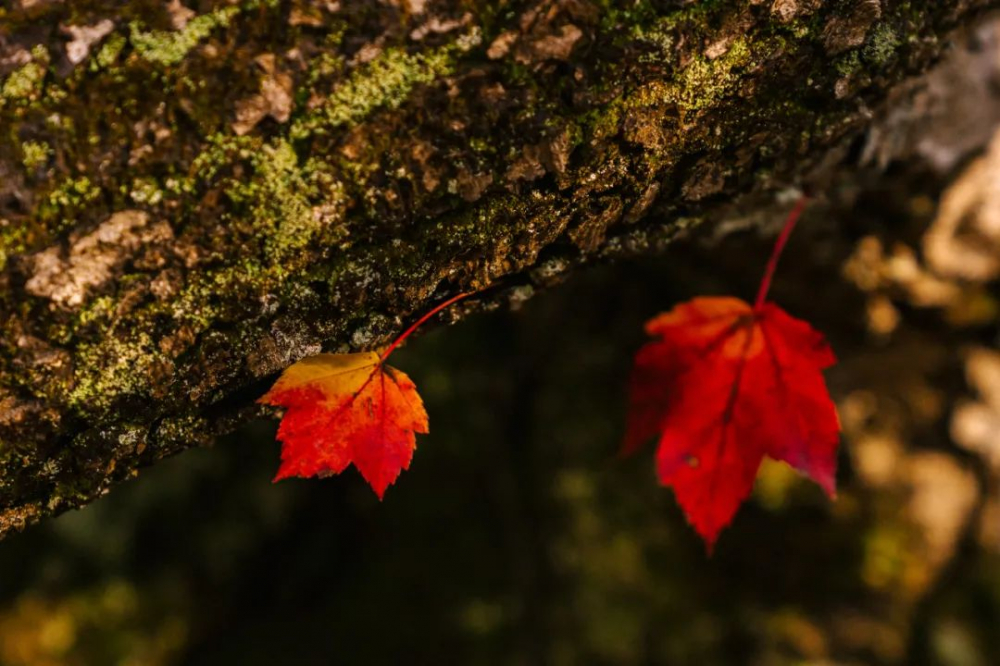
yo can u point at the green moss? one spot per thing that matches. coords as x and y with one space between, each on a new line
25 84
640 17
164 47
882 45
111 368
639 23
94 310
849 64
13 240
704 82
35 154
614 16
280 197
70 194
486 226
108 53
605 122
222 149
385 82
481 146
146 191
329 62
661 40
183 431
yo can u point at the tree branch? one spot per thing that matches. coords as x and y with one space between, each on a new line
189 203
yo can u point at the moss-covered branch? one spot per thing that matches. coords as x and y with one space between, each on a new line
189 202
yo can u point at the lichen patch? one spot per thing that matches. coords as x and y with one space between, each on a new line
274 99
82 37
92 259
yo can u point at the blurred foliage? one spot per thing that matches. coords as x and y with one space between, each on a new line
518 536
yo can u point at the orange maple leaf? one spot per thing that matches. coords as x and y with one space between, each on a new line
349 408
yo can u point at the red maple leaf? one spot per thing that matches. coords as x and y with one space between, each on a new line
725 384
344 409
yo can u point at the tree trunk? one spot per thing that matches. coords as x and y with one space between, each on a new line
191 201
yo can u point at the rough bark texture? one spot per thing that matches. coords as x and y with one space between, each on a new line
191 198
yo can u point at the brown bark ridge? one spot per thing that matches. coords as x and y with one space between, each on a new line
195 195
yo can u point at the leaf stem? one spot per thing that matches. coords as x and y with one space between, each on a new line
779 245
420 321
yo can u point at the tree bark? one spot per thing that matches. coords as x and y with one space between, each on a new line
191 201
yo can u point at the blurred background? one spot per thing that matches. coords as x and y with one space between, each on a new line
519 537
